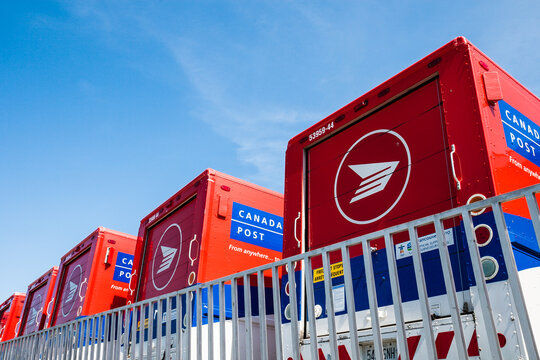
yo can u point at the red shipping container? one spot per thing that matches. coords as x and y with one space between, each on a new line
451 129
215 226
93 276
10 314
37 305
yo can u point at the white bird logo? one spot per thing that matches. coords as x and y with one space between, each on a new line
374 176
168 256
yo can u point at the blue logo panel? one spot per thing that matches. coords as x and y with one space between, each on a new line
521 133
257 227
122 269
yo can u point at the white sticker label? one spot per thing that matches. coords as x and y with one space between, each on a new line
427 243
338 295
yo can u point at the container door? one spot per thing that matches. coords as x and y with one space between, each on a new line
34 313
386 169
70 299
167 259
4 316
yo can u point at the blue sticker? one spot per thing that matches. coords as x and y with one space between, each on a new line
521 133
257 227
122 269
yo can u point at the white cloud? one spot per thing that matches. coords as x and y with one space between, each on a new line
260 129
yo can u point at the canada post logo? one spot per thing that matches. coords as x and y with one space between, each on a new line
166 256
71 290
372 176
521 133
257 227
123 266
37 306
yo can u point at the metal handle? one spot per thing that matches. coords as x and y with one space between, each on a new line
295 221
129 284
191 244
458 183
37 316
48 310
80 288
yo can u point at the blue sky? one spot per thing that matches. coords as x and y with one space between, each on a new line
109 107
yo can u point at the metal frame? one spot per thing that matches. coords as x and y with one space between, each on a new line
127 332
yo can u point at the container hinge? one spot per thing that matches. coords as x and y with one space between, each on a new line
492 87
108 256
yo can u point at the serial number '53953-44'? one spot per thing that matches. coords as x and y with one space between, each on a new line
321 131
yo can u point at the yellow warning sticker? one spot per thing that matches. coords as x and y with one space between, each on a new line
336 270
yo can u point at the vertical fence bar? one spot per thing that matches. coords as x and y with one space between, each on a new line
133 341
118 338
450 288
142 327
310 311
234 296
73 339
248 318
127 327
94 337
222 315
210 318
293 301
517 292
372 298
109 340
422 293
159 327
56 342
198 295
63 340
189 323
349 298
277 310
151 315
88 338
52 353
167 351
179 326
100 339
331 316
485 308
261 292
119 334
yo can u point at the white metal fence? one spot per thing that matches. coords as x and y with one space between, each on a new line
244 316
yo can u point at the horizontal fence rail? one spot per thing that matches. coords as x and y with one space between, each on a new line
260 313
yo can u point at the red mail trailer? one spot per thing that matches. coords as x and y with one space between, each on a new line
10 314
37 305
93 276
215 226
451 129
